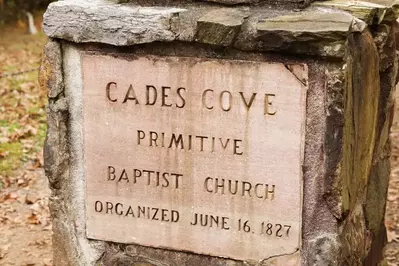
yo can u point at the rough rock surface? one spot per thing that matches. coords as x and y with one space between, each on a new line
287 3
81 21
370 13
219 27
351 55
51 78
233 2
314 32
321 33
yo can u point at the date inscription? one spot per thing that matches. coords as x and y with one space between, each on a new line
198 219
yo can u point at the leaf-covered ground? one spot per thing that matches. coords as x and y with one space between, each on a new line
392 210
25 225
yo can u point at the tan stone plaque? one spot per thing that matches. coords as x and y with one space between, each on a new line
194 154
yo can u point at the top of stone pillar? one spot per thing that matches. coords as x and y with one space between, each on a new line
320 29
294 3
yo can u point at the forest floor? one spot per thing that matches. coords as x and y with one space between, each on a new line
25 225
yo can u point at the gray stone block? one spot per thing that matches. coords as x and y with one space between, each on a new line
104 22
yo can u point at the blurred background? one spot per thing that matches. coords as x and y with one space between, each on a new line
25 225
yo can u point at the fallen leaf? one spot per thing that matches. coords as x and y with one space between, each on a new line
31 197
4 250
33 219
47 262
27 85
12 195
40 158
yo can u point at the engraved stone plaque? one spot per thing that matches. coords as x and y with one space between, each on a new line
198 155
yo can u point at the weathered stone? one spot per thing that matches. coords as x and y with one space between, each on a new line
299 72
51 78
196 75
348 114
59 154
378 179
316 207
370 13
186 25
359 137
395 7
333 26
322 244
232 2
381 35
375 253
144 256
325 248
355 238
307 33
289 4
314 32
383 2
377 189
56 161
385 119
335 103
384 38
220 27
100 21
56 148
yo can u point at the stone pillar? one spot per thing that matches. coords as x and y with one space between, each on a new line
268 119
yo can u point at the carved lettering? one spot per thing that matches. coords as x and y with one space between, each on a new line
191 154
171 97
111 173
145 177
204 102
209 220
251 100
176 141
189 142
269 108
98 206
235 187
143 212
130 95
165 95
226 104
108 91
179 94
149 89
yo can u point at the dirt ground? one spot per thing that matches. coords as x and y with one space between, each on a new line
392 209
25 225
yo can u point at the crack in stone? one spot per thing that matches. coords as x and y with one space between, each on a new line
303 82
277 256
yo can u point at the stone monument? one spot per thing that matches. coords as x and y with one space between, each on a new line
220 132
